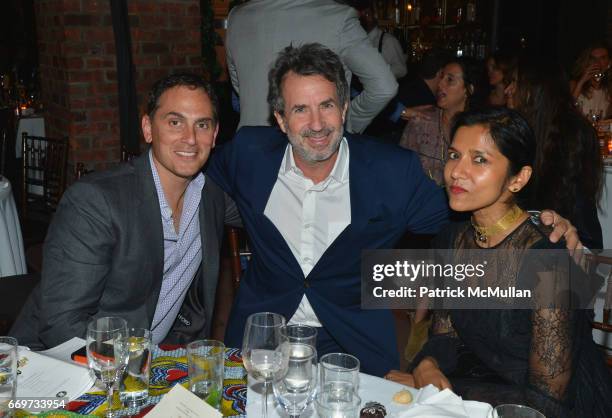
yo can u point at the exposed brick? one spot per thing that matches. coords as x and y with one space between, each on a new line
103 34
145 60
139 7
78 65
172 9
74 63
144 35
81 20
99 62
154 47
71 6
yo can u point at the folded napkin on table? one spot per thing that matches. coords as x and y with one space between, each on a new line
430 402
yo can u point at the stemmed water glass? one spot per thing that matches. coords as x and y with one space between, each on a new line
108 352
264 349
295 386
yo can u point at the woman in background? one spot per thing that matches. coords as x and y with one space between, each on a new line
591 84
568 170
500 68
427 133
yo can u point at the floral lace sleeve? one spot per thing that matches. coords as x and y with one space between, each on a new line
550 359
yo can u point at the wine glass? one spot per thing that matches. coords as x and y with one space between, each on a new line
264 349
108 352
295 386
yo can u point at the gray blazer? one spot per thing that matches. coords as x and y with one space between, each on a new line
258 30
104 256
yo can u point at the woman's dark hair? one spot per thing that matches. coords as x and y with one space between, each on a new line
474 80
305 60
510 133
567 163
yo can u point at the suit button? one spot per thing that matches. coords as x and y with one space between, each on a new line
306 284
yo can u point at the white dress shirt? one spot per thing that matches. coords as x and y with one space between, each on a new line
310 216
391 51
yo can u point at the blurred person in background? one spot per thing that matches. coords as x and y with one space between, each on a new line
259 29
384 42
427 131
591 84
500 68
568 169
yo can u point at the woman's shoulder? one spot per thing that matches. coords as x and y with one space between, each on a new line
535 235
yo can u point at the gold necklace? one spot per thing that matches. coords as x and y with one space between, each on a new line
483 233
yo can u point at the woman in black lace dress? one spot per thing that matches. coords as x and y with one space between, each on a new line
544 358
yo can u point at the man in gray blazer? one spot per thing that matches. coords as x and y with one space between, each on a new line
140 241
258 30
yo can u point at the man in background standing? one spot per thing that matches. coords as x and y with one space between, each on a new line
384 42
260 29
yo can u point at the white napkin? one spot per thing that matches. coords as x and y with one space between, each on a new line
430 402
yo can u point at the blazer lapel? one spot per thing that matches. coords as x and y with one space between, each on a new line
362 181
152 238
266 173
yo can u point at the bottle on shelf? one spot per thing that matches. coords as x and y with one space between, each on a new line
470 11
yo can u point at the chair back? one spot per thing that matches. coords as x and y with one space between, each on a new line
43 171
605 325
127 156
3 152
238 247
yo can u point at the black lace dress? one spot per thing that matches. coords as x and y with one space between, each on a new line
542 358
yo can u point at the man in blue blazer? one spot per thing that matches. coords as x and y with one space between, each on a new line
387 194
312 198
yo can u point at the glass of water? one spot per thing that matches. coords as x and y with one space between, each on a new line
339 375
8 374
295 386
107 353
330 406
206 367
134 384
516 411
263 350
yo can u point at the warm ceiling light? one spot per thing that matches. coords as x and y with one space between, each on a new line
409 7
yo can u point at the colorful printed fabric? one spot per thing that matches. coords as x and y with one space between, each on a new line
168 367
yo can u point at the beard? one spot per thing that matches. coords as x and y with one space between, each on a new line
299 142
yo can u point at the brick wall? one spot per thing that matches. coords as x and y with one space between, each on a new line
78 67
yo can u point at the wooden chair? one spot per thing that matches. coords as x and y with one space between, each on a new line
127 156
605 325
43 173
3 153
238 247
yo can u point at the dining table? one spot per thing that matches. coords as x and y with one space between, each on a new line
168 368
12 256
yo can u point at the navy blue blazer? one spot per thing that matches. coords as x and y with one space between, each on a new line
389 195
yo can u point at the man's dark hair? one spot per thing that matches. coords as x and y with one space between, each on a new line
188 80
306 60
433 61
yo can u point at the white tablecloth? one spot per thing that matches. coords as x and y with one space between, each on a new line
12 257
371 388
33 125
